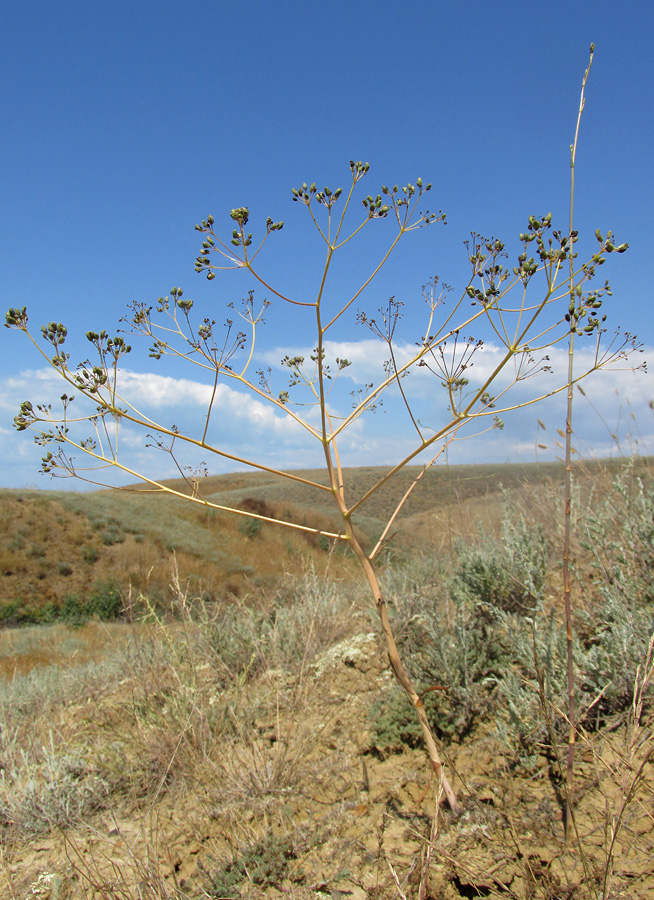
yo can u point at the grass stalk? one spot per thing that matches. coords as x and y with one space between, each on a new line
569 802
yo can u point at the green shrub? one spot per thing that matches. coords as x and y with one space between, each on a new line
619 536
250 528
72 610
36 551
487 639
457 659
89 554
615 630
616 634
48 613
112 535
9 611
611 634
105 601
533 689
507 574
393 722
454 649
14 613
264 864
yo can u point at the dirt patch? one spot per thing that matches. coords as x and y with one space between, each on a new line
295 804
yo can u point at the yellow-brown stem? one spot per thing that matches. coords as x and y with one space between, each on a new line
391 647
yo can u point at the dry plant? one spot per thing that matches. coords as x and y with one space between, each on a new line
575 316
183 709
127 867
607 841
523 305
629 769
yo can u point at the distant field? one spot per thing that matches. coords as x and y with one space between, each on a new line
57 545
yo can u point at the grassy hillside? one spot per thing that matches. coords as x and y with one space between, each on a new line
59 548
260 748
55 546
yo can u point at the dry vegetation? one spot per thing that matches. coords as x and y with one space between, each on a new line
243 736
55 545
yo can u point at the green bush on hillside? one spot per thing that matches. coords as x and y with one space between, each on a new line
105 601
265 863
508 573
492 645
455 649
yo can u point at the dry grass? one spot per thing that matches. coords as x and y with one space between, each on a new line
41 646
54 546
229 741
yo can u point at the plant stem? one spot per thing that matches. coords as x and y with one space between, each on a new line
569 800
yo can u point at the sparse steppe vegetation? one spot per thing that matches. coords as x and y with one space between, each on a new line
253 743
230 700
56 545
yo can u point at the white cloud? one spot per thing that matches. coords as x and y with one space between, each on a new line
149 391
615 403
367 359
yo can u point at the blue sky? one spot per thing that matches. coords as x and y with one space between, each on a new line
125 124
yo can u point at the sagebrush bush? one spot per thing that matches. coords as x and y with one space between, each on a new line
532 689
507 574
617 627
619 536
616 636
44 788
612 633
491 644
265 864
59 795
455 650
456 639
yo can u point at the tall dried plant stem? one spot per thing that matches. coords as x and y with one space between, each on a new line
569 803
365 561
401 673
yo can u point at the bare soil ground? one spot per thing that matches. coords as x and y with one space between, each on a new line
291 801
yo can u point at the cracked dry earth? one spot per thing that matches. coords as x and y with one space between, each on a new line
297 805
